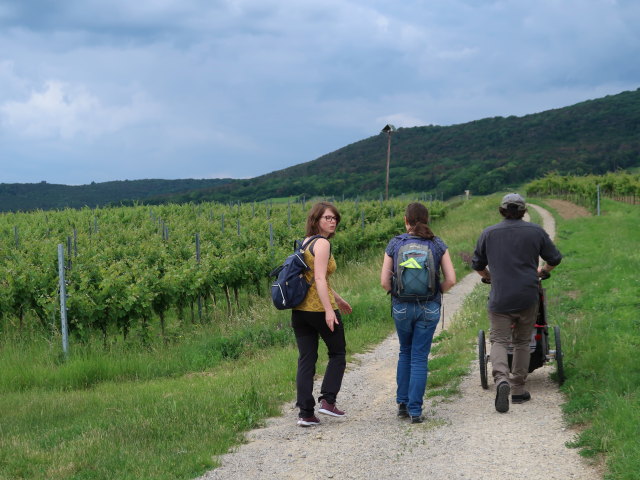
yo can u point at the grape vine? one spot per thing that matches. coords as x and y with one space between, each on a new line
127 267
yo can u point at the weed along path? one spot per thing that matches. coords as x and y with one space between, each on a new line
463 438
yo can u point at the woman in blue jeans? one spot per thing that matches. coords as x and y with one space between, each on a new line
416 320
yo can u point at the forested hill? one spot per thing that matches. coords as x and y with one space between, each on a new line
46 196
483 156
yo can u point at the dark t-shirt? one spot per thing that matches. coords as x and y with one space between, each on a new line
437 247
511 249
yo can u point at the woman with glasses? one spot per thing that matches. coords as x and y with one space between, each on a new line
416 318
318 316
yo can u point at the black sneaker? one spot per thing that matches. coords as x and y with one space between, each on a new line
502 397
402 410
525 397
418 419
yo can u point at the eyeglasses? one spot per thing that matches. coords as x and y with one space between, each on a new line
330 218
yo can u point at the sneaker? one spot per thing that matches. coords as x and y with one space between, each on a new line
502 397
330 409
402 410
418 419
525 397
308 421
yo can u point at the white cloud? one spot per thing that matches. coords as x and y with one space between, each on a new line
401 120
66 111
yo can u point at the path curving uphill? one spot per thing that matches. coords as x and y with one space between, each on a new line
464 438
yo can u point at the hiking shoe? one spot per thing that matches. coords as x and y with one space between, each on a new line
418 419
402 410
525 397
502 397
330 409
308 421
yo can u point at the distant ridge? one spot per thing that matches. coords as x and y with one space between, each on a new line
47 196
483 156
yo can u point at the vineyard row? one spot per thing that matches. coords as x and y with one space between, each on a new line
128 266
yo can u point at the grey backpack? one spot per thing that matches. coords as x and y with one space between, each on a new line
414 276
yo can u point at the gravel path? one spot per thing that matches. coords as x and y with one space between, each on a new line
457 442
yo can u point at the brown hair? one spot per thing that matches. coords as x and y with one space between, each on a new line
315 214
512 212
417 216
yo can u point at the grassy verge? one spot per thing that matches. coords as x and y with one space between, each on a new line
165 413
597 290
455 348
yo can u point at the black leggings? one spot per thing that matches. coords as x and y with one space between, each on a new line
308 327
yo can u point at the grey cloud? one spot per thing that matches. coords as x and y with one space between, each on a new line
249 86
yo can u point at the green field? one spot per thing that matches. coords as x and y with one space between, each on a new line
165 410
598 295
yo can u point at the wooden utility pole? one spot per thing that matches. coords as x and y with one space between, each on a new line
388 129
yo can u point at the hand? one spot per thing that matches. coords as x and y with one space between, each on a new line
343 306
331 319
486 278
543 273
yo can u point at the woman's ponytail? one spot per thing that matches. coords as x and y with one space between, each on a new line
417 216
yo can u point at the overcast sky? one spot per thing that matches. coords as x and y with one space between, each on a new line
97 90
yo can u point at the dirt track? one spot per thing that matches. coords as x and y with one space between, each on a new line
464 438
568 210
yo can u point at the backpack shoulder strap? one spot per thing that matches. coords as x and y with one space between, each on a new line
311 242
310 239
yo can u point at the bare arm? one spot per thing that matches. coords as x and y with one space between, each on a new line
449 273
322 252
545 268
386 273
479 261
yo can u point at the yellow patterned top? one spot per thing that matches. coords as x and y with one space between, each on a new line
311 302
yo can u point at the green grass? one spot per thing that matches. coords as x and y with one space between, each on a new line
535 216
597 288
165 412
131 430
455 348
158 428
462 226
36 362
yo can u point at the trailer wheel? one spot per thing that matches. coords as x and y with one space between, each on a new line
483 359
559 357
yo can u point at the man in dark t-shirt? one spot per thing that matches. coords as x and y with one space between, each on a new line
510 250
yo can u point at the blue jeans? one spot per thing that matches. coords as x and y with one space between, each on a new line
416 323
